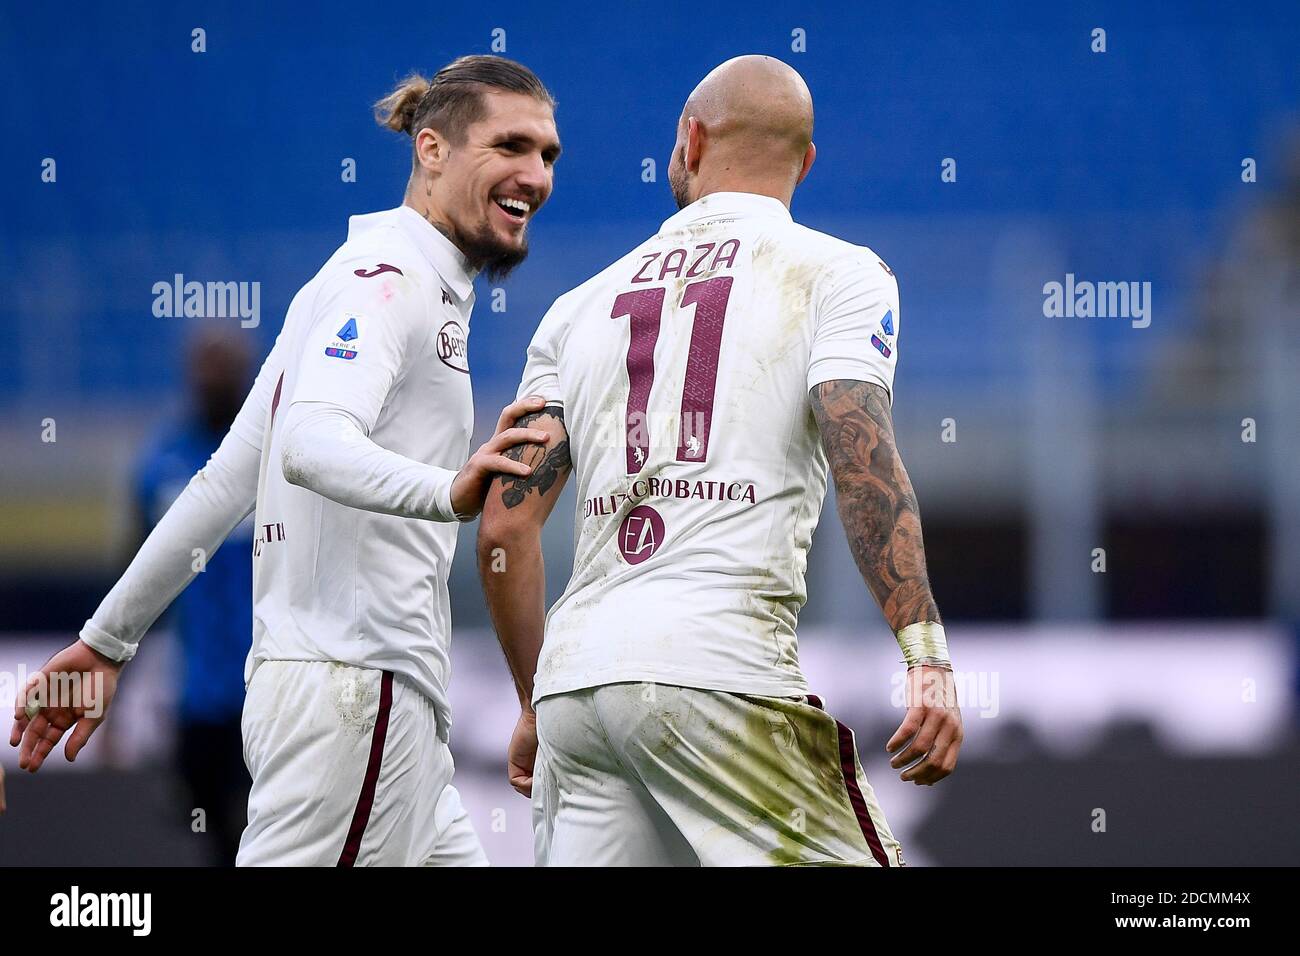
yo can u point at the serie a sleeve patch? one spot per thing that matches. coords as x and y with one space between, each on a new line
883 338
346 339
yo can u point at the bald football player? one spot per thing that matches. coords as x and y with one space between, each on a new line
700 387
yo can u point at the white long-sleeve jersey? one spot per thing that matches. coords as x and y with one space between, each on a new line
347 444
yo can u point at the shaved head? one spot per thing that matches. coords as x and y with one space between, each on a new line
746 127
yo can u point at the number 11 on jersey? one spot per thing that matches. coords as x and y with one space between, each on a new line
645 308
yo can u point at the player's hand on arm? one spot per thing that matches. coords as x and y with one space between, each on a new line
71 692
511 568
326 449
505 453
883 524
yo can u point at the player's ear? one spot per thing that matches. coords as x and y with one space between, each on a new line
694 144
431 150
809 157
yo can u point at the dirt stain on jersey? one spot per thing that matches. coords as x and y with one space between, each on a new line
353 697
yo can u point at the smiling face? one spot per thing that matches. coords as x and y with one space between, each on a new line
484 191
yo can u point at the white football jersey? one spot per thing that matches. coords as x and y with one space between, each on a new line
381 333
684 371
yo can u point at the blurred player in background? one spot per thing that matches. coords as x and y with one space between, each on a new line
212 615
348 445
698 386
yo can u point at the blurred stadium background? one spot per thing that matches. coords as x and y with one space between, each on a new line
1161 690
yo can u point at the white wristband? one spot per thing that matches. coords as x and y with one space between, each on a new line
924 641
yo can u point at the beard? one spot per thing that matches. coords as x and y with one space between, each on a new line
488 254
678 184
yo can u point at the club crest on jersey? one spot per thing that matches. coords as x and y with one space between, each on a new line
344 345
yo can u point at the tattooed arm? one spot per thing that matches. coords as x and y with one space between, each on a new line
878 509
876 503
510 566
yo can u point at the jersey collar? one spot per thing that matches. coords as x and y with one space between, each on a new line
725 206
439 250
445 258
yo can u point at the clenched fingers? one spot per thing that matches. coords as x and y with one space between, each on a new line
934 748
921 742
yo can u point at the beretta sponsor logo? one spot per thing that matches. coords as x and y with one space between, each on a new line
452 347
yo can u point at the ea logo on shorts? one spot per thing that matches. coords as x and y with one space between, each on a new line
640 534
452 347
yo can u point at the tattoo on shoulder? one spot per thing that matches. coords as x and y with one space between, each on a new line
548 463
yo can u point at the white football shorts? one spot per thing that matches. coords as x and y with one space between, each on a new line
348 770
657 775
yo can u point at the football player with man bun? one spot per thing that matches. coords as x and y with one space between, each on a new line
353 446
